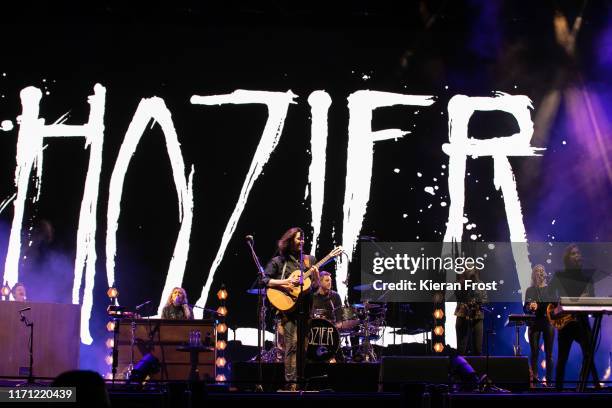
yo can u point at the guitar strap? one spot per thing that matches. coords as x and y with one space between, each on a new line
284 269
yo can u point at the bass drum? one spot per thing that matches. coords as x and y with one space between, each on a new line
323 341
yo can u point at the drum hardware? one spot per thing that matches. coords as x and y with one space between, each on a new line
372 319
345 318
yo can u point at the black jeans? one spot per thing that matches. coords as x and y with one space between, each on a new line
580 332
545 330
469 335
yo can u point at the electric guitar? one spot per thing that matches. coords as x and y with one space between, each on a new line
558 320
284 299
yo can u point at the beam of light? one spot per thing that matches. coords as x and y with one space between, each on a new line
152 109
460 146
278 105
319 102
359 163
32 132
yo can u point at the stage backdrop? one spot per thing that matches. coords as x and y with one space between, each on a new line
139 147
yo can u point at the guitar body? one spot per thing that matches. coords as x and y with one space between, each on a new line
558 321
285 299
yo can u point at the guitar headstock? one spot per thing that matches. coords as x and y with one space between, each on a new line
336 252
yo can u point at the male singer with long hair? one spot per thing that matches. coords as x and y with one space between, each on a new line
277 272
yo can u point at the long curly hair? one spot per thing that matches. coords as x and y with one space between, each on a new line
183 292
284 244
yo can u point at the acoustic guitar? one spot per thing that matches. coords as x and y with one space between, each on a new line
558 320
285 299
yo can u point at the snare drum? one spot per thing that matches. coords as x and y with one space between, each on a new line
323 340
346 318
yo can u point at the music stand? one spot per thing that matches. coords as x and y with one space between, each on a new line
518 321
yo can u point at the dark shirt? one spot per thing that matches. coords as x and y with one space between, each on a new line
572 283
538 295
274 270
327 303
172 312
469 304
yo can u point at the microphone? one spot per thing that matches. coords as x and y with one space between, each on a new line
25 309
249 239
140 306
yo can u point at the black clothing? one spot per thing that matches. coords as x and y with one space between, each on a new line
538 295
548 334
540 327
573 283
326 303
470 320
176 312
280 267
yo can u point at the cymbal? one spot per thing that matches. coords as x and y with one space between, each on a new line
366 305
256 291
361 288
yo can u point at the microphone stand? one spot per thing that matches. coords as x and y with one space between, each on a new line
29 324
490 331
261 313
301 319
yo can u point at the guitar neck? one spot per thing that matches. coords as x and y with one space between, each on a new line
318 264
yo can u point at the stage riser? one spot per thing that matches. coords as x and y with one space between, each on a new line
354 377
389 376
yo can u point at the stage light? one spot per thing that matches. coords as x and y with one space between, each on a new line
112 292
438 347
439 330
220 362
108 360
222 293
110 326
145 368
221 344
221 328
110 343
438 314
222 310
6 291
220 378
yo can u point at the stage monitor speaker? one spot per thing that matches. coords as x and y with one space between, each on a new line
506 372
398 370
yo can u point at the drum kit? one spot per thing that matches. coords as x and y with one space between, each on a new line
344 334
355 326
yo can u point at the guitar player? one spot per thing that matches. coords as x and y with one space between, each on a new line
290 245
573 281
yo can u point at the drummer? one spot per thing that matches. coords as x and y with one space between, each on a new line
325 300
